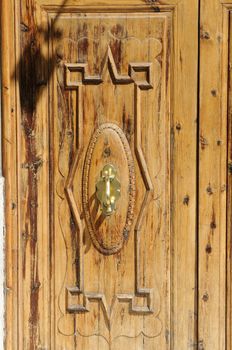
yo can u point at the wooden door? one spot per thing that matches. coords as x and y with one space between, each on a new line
100 147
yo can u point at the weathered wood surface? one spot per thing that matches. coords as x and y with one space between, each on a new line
214 191
75 68
9 112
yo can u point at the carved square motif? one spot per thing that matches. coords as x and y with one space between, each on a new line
141 74
74 300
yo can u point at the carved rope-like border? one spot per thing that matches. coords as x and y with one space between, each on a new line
85 190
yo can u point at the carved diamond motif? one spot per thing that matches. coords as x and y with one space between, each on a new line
133 77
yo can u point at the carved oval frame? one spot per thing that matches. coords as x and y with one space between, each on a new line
85 190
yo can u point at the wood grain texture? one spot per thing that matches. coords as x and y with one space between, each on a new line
214 31
101 105
183 169
33 181
9 127
229 194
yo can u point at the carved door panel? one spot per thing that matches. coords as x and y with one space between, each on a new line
106 147
109 80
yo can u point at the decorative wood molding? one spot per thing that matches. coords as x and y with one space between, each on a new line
148 194
108 7
116 77
102 246
68 187
107 309
139 85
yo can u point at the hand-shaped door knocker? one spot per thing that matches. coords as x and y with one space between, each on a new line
108 189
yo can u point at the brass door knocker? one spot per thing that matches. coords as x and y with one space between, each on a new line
108 189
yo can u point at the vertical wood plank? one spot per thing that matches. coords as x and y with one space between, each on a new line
8 61
33 175
212 174
229 197
183 192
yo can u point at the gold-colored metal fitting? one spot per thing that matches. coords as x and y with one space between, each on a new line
108 189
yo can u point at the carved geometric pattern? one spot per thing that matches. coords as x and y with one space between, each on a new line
139 84
117 78
148 194
102 246
108 311
68 186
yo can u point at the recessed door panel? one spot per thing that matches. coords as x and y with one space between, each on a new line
113 108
